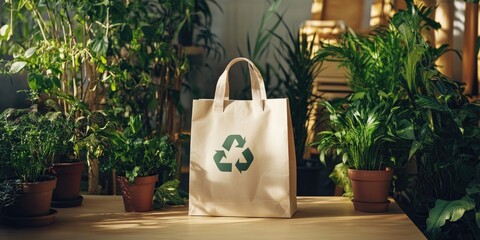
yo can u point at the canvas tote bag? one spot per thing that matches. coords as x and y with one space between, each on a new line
242 157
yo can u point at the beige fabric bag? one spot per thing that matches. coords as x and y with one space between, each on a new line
242 156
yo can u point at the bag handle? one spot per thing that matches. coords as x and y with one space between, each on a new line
259 94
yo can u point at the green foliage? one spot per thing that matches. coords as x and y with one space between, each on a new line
132 155
339 176
446 210
8 193
446 133
167 194
372 61
94 134
297 71
294 71
200 20
436 124
258 49
31 142
61 45
363 130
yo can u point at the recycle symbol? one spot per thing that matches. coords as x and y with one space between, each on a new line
227 145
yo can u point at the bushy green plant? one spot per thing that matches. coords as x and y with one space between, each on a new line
442 125
362 130
133 155
31 142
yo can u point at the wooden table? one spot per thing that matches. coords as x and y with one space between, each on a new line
103 217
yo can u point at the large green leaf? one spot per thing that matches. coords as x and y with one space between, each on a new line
17 67
446 210
405 129
30 52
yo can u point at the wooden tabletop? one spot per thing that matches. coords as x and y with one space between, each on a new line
103 217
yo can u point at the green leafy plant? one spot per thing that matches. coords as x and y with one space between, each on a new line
62 47
296 75
167 194
296 70
362 131
258 49
32 142
132 155
372 61
148 62
197 30
437 121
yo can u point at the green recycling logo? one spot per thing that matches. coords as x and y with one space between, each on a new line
227 145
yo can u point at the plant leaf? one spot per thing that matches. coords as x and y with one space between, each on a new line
5 32
30 52
446 210
477 217
17 67
415 146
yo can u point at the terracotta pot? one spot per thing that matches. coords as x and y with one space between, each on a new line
138 197
370 189
34 199
68 176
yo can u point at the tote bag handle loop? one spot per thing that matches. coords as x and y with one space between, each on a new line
259 94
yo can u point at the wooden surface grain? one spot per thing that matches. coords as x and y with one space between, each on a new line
103 217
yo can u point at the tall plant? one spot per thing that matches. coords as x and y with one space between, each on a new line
296 75
444 125
446 129
294 72
148 64
61 45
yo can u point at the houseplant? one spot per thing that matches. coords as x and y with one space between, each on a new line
291 75
362 131
444 193
137 162
61 45
66 167
29 147
439 190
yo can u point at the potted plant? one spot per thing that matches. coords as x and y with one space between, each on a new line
362 132
28 148
137 162
66 167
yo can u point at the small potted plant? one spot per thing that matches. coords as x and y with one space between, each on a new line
137 162
27 151
66 167
362 133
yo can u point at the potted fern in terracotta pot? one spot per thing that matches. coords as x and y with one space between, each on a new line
137 161
362 133
28 146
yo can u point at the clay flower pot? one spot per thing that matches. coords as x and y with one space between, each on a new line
370 189
138 197
32 206
67 192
